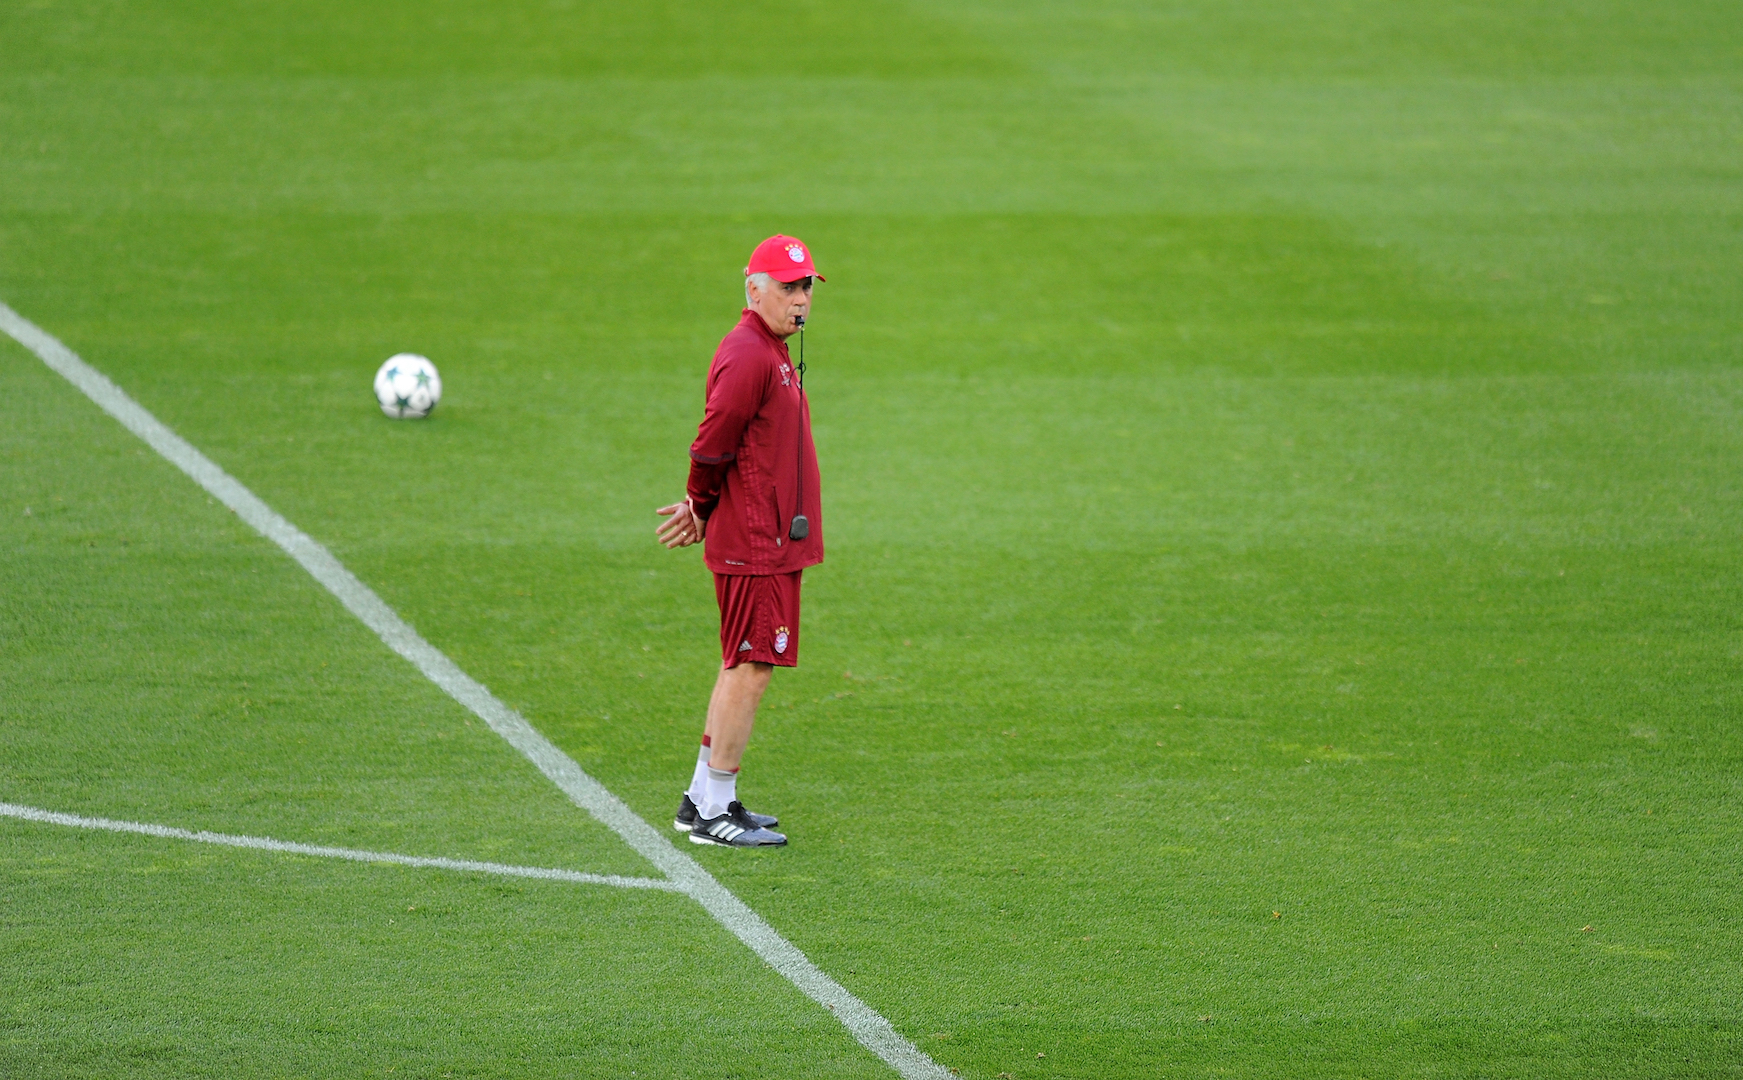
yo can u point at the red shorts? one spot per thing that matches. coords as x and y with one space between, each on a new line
759 618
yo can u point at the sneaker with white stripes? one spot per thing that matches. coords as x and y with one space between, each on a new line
734 829
686 816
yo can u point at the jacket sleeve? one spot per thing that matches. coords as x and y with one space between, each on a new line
704 487
735 393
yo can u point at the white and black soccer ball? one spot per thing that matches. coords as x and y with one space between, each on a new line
408 387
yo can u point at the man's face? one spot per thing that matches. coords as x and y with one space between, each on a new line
781 303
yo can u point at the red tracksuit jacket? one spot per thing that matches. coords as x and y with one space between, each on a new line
753 465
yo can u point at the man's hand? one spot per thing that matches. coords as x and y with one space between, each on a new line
684 527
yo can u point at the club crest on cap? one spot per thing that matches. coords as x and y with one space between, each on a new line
796 252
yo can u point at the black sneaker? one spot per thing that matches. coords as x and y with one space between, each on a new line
734 829
686 819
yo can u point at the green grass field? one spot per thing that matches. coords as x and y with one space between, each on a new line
1284 492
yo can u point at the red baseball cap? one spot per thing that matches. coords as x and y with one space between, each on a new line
783 258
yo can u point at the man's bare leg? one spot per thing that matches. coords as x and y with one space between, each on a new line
731 708
732 712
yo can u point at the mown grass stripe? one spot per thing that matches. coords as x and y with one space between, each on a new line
867 1026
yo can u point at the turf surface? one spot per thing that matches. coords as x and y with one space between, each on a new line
1282 492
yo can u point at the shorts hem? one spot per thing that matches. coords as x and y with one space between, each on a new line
757 657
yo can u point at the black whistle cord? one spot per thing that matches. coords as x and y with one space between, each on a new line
801 527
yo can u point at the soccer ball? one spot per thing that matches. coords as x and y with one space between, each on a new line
408 387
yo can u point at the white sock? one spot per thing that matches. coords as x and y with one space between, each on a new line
722 791
698 790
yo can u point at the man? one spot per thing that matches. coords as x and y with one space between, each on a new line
753 500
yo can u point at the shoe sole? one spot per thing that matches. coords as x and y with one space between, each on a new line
704 838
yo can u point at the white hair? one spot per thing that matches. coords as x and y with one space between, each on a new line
762 281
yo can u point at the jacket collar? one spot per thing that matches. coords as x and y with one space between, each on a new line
751 318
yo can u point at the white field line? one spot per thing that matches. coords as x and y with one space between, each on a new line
867 1025
262 843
